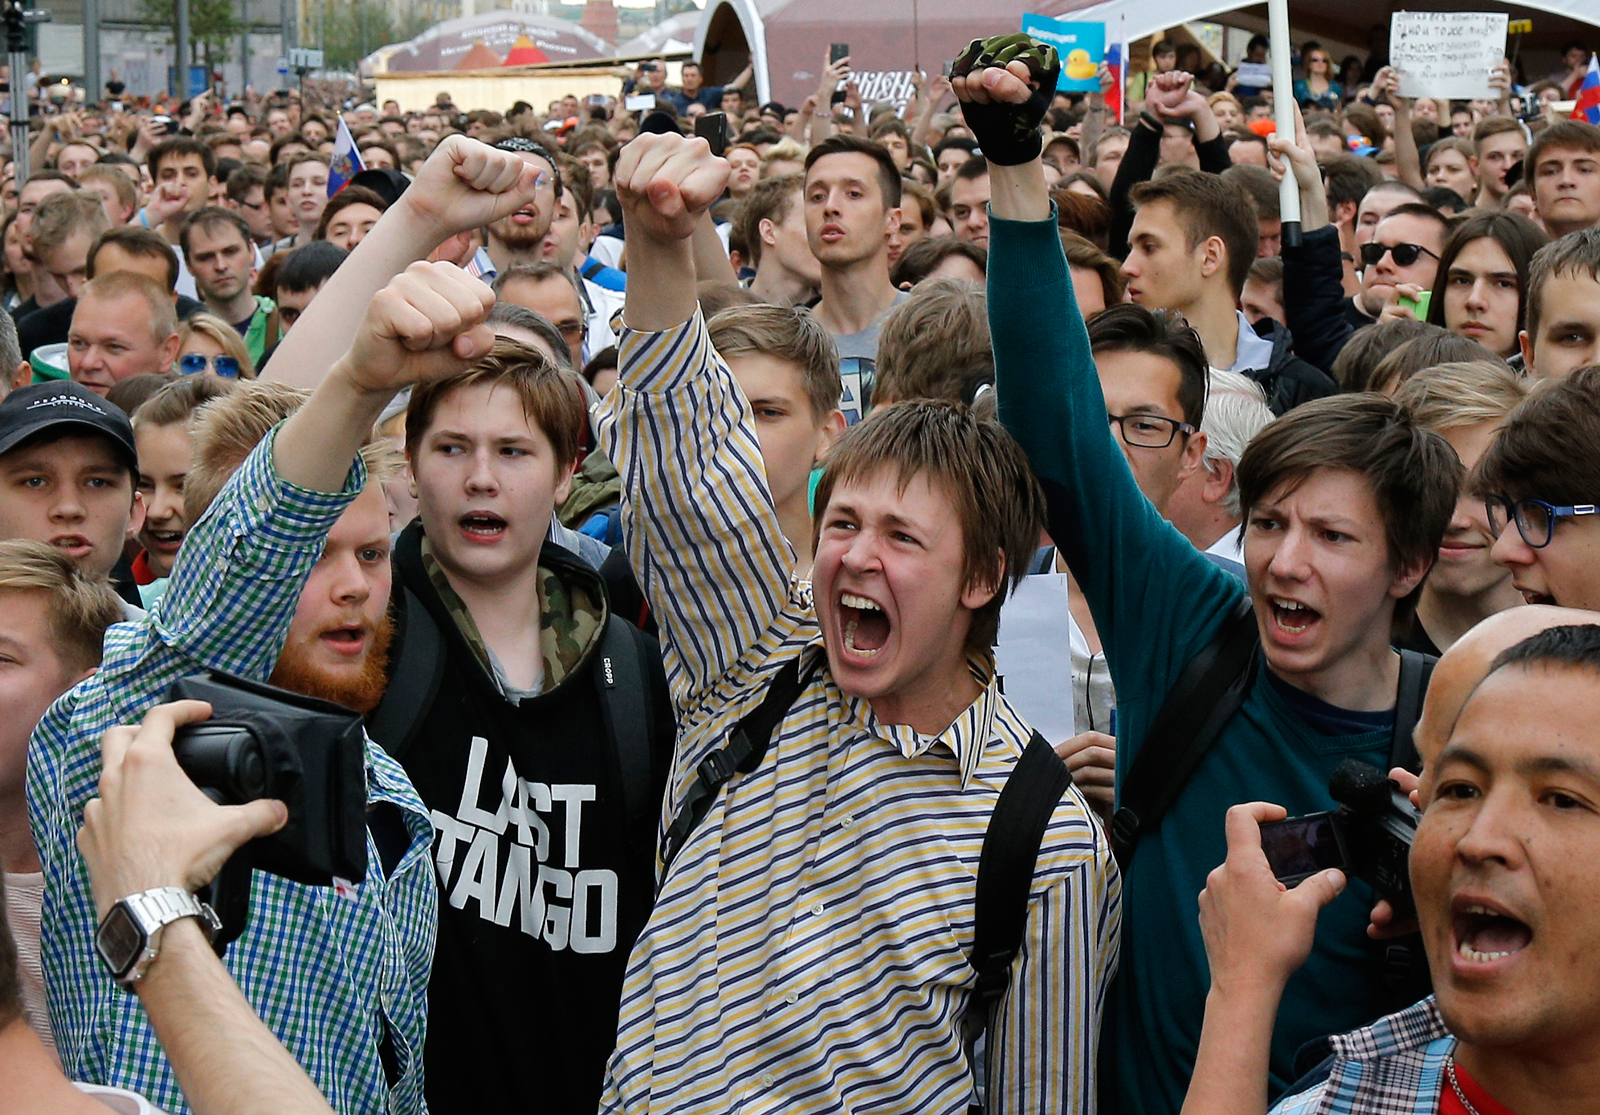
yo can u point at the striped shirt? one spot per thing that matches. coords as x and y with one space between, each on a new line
1396 1066
808 950
330 976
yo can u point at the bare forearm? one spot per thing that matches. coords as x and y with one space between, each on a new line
1406 157
329 324
658 298
225 1058
316 445
1230 1069
1019 193
711 263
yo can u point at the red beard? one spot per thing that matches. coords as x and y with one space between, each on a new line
361 691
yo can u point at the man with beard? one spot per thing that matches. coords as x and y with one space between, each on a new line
285 575
852 204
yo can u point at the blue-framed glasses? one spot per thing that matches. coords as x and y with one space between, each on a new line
1535 519
225 367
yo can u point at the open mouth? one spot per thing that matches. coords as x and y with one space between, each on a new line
74 545
483 526
1483 935
864 624
1290 616
167 541
347 640
1535 597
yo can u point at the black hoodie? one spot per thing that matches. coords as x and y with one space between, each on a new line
544 882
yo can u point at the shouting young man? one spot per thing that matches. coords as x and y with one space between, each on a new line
1345 502
825 901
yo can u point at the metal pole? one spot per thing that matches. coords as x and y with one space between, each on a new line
1283 112
244 46
17 60
181 47
92 86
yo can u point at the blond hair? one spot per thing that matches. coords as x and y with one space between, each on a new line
1466 393
81 606
790 335
116 284
226 336
63 213
225 431
935 344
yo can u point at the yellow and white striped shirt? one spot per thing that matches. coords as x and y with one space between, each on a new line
808 951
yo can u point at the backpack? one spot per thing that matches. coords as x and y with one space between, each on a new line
1005 866
619 675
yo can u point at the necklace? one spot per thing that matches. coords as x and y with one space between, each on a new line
1455 1085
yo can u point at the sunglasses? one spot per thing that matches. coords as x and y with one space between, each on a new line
225 367
1404 254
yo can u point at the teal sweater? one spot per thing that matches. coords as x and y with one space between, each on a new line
1156 602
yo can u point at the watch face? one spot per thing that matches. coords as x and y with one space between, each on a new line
119 940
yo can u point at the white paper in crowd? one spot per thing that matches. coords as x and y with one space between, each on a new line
639 102
1446 54
1034 655
1255 75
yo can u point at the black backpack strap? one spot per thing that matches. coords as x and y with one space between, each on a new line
1208 692
746 746
1005 875
414 681
1415 670
625 706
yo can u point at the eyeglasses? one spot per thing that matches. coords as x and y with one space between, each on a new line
1535 519
225 367
1404 254
1149 431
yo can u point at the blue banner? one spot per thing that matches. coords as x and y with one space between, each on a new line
1082 47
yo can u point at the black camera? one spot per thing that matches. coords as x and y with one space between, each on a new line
265 742
1368 836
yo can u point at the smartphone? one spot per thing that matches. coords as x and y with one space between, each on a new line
639 102
597 100
837 52
1418 305
713 128
1300 847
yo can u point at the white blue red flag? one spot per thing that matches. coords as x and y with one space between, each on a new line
1588 106
1115 55
346 161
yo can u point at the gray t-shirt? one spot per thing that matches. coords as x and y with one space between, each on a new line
865 343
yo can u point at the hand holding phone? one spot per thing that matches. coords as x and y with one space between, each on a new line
713 128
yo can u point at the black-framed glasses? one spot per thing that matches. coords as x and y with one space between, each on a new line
1404 254
1535 519
1149 431
192 364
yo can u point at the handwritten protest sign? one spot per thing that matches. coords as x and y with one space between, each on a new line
1446 54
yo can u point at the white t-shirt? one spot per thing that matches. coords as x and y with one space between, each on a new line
1040 646
24 897
120 1100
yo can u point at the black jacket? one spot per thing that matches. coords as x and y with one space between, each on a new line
1287 379
1314 305
544 878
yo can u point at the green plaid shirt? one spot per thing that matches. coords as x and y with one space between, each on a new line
328 974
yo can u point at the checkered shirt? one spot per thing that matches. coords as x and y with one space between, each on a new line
327 974
1393 1067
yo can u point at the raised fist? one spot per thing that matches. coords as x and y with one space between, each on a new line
664 182
427 323
1005 84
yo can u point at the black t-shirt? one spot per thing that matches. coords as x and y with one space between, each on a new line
544 878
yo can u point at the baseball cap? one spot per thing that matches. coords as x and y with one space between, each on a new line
30 410
385 181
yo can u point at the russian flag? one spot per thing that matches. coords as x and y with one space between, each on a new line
1114 63
346 161
1588 106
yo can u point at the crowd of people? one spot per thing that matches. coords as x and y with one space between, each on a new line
823 596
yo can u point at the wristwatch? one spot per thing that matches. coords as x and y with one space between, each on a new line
129 936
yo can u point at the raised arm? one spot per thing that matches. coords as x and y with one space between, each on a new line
1312 272
464 184
702 534
1408 161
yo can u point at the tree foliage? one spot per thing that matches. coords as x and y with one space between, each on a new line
214 26
351 31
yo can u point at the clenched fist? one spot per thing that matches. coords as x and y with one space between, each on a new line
427 323
664 182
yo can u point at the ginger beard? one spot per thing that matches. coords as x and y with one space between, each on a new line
299 672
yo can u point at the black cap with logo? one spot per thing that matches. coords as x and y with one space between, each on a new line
31 410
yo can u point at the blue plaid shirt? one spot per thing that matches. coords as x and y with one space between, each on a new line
1393 1067
329 975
